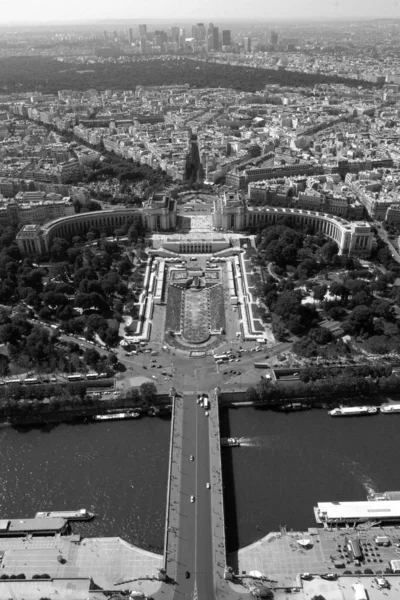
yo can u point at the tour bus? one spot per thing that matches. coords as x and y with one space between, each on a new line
91 376
76 377
224 356
31 380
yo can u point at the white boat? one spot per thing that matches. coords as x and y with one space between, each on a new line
117 416
353 411
69 515
390 408
230 442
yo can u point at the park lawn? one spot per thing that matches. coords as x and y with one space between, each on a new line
217 308
173 312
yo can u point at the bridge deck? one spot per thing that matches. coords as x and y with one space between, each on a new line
195 554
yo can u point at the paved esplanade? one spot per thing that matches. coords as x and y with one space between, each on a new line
195 532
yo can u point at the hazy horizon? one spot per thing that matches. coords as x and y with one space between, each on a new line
44 12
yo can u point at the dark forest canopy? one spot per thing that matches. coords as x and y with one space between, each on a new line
23 74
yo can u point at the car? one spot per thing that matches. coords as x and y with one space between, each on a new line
153 366
154 377
225 373
187 574
198 401
201 404
159 366
208 486
206 413
144 367
191 457
153 360
191 498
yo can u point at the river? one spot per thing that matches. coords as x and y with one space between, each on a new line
118 470
287 463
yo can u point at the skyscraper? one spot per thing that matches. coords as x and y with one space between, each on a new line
142 31
215 37
274 38
175 31
226 37
247 44
199 32
130 36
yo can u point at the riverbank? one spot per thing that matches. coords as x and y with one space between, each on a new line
83 414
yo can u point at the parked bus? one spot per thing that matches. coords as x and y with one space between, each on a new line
76 377
221 357
31 380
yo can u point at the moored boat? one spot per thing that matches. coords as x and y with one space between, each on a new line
117 416
69 515
390 408
353 411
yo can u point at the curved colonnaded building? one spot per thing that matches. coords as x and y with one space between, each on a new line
230 213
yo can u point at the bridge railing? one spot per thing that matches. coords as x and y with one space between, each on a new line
170 466
217 508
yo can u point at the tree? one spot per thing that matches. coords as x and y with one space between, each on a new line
148 392
58 250
329 250
4 365
319 292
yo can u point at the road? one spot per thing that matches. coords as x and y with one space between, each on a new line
193 524
385 238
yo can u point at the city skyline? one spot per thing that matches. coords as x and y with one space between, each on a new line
46 11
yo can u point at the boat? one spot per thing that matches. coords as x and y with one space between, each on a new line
380 496
390 408
293 406
230 442
353 411
69 515
117 416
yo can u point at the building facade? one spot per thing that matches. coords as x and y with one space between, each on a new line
230 213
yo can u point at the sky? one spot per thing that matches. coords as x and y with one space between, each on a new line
42 11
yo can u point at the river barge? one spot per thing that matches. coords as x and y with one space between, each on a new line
353 411
68 515
117 416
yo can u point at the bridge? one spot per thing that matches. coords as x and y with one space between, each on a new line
194 549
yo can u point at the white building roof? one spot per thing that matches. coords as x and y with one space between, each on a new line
360 510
